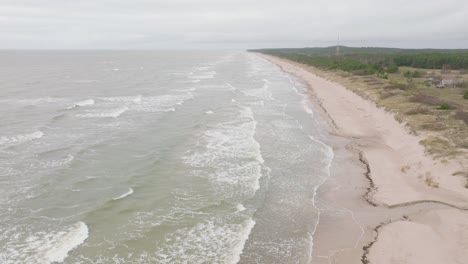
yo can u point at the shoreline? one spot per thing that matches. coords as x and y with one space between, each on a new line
386 200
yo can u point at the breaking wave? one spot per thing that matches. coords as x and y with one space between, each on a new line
18 139
82 103
45 247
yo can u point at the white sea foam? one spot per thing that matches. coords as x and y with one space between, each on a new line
232 156
329 155
287 124
209 242
191 89
209 112
163 103
129 192
114 113
82 103
327 150
240 207
138 103
6 171
18 139
125 99
190 81
243 237
263 93
183 73
57 163
307 108
209 72
198 78
231 87
257 103
45 247
203 75
137 100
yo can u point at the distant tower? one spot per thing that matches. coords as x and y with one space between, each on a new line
337 53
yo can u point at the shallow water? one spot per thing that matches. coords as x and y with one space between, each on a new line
156 157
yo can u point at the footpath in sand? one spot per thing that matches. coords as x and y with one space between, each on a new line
402 205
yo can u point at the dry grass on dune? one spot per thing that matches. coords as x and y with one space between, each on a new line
441 114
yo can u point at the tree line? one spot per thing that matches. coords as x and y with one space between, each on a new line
375 60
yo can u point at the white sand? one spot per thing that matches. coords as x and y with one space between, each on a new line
439 236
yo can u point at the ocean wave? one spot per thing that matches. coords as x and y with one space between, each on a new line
114 113
18 139
162 103
45 247
203 75
257 103
191 89
219 87
207 242
183 73
57 163
131 99
82 103
139 103
190 81
263 93
231 158
202 68
130 191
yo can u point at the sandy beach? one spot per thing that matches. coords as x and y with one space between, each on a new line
387 200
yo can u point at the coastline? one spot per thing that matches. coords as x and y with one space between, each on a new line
386 201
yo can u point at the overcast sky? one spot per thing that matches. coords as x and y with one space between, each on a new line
228 24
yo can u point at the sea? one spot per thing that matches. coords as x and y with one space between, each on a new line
157 157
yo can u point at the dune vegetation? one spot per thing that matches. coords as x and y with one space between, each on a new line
426 89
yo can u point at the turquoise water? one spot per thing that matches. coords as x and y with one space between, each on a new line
156 157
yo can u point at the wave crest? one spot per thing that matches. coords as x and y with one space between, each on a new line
18 139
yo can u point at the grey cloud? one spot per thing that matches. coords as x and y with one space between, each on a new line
157 24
